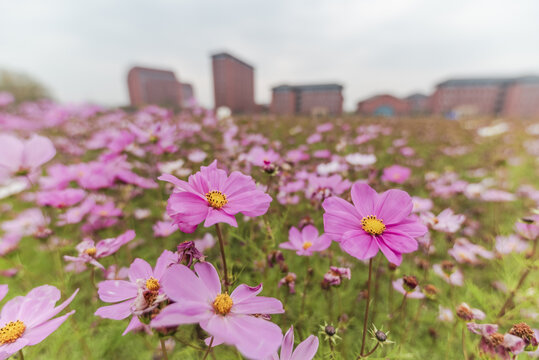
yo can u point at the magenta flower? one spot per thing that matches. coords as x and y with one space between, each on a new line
27 320
307 241
414 293
306 350
396 174
231 319
446 221
3 291
60 198
141 294
335 275
374 222
290 281
448 272
24 157
213 197
89 252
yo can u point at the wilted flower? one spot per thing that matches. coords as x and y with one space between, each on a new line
465 312
494 343
447 271
187 252
335 275
407 286
290 281
526 333
141 294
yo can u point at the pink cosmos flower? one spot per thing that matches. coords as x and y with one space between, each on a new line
89 252
263 158
374 222
465 252
494 343
528 228
231 319
445 314
213 197
450 274
446 221
141 294
28 222
414 293
24 157
335 275
321 187
6 98
307 241
26 320
306 350
9 242
512 243
421 204
60 198
396 174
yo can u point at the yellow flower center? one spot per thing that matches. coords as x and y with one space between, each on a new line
152 284
307 244
222 304
216 199
373 225
91 251
12 331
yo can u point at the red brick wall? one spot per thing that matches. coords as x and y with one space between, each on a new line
483 99
283 102
369 106
521 100
233 84
153 86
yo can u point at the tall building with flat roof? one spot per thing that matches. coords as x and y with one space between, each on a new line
307 99
511 97
156 86
233 83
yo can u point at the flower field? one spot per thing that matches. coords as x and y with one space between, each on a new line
149 234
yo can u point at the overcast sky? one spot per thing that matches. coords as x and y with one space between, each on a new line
82 50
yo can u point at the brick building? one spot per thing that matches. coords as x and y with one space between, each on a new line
383 105
511 97
156 86
233 83
307 99
418 103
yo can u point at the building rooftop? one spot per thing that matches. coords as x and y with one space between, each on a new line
225 55
489 81
314 87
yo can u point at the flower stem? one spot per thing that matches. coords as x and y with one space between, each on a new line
92 277
366 318
305 286
21 356
223 257
209 349
513 292
163 349
464 343
370 352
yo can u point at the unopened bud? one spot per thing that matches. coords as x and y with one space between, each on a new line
330 330
380 336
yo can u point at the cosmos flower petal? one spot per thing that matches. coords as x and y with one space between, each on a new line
164 260
37 334
115 312
287 345
393 206
399 241
391 255
259 305
116 290
37 151
12 348
364 198
11 156
139 269
134 324
181 313
207 273
359 244
244 292
306 349
409 226
181 284
218 216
